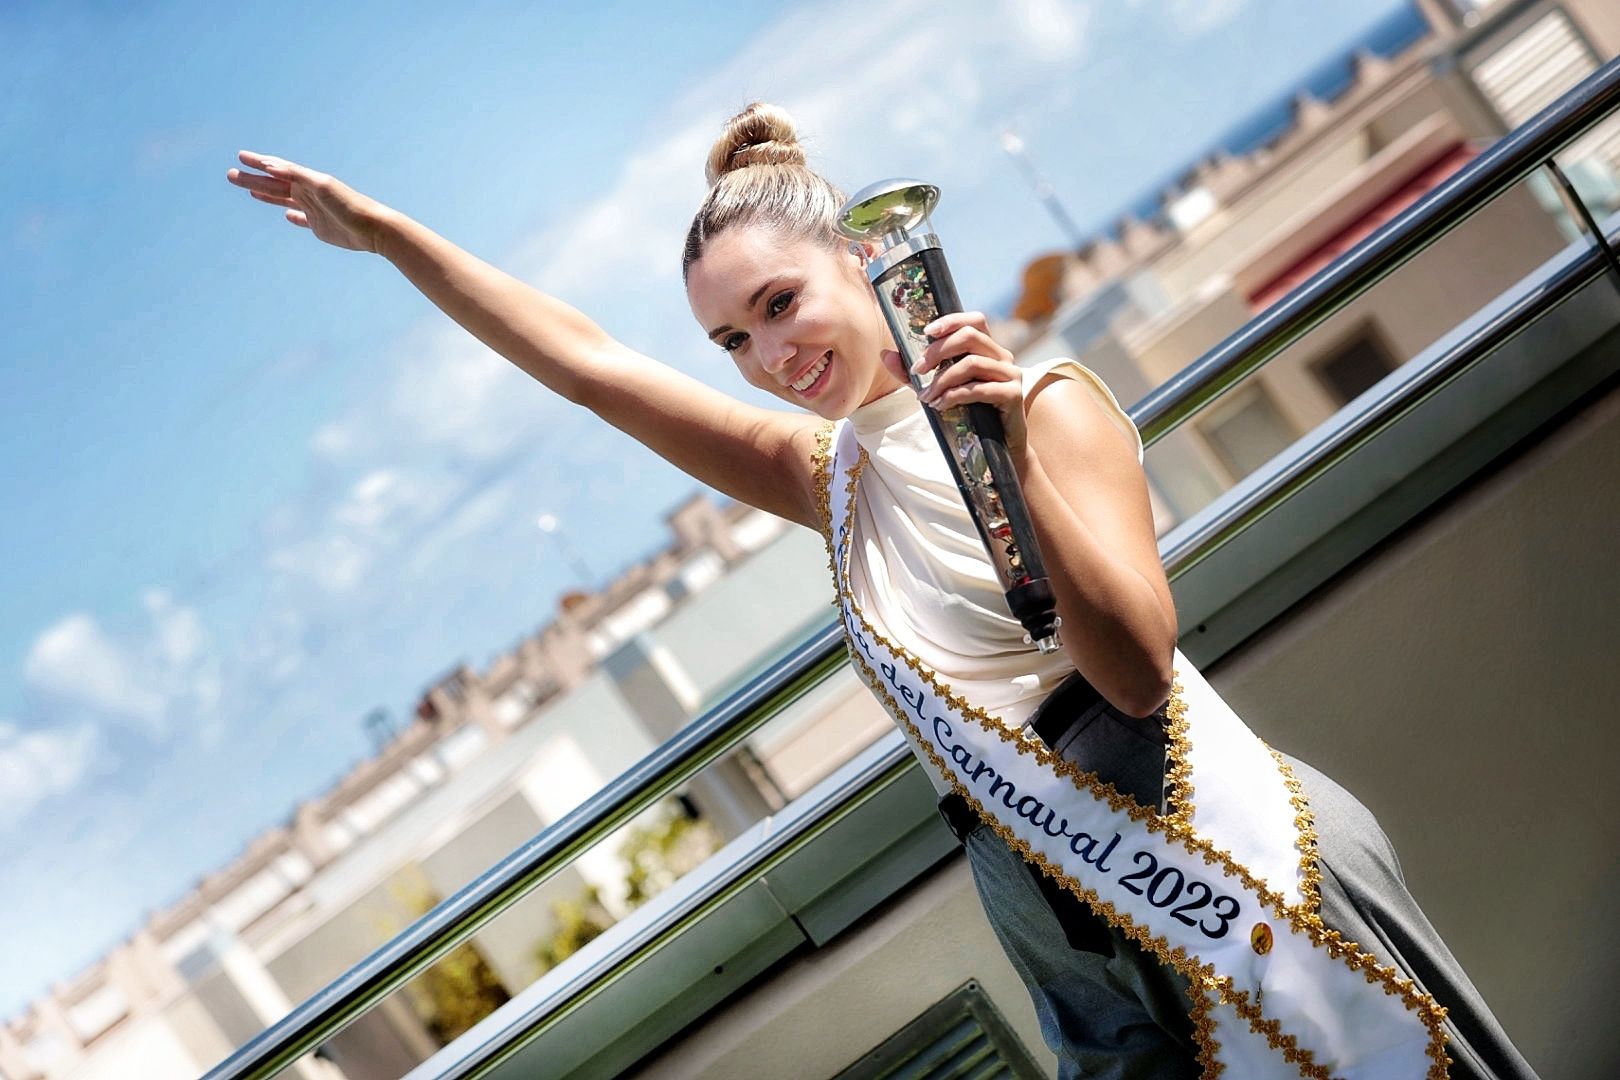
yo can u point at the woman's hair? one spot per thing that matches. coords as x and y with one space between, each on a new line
757 176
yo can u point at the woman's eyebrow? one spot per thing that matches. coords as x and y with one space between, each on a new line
752 300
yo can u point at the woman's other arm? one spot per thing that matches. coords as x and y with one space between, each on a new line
1088 500
759 456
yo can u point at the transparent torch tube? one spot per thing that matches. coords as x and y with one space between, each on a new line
914 290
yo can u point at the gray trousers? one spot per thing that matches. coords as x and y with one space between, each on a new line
1108 1009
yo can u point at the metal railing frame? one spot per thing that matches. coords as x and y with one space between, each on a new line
709 737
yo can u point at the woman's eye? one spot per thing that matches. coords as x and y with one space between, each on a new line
779 303
733 342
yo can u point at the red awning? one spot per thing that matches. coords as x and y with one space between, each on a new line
1414 188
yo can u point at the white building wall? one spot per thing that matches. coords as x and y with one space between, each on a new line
780 591
152 1043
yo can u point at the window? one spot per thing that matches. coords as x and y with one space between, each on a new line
1245 430
1352 368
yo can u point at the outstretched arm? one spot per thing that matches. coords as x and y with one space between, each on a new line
759 456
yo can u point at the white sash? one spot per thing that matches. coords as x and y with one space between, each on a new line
1275 993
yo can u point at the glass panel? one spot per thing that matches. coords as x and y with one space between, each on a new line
1354 367
1248 432
1347 354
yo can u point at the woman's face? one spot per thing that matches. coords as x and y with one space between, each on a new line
798 319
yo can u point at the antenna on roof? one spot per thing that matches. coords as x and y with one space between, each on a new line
379 725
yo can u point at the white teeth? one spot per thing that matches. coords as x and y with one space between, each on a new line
813 374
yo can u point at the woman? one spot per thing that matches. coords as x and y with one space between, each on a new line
771 282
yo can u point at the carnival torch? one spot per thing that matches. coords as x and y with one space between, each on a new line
914 287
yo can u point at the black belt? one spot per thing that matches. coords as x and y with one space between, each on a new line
1073 698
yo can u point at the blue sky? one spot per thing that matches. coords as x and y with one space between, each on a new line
256 487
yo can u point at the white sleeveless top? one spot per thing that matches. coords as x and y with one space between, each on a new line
918 563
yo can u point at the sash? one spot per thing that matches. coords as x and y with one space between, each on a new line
1223 891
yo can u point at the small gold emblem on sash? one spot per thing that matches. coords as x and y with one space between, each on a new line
1260 938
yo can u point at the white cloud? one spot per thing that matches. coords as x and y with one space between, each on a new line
181 659
275 644
479 512
337 547
74 659
1193 18
453 395
935 92
373 500
163 671
336 563
38 764
331 440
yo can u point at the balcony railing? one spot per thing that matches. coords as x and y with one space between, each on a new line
714 734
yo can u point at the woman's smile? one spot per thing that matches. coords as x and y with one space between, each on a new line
812 382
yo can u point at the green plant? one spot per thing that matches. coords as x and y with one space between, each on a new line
656 855
659 853
459 989
578 921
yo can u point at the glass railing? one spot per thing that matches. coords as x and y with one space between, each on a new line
724 728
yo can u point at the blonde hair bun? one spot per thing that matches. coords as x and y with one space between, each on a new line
762 134
785 194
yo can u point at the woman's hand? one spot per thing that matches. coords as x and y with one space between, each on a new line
983 372
333 211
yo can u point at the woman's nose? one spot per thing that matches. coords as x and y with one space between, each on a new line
776 354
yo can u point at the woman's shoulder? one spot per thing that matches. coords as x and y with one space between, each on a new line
1042 374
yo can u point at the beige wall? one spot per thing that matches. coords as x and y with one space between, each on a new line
162 1053
1460 683
817 1016
1406 313
1599 20
1162 347
346 936
1459 274
1328 176
728 628
1234 233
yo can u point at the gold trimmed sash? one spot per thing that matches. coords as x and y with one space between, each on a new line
1276 993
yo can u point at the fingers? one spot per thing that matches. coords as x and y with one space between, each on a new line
253 182
956 320
279 169
956 334
298 218
273 165
968 365
275 200
974 378
895 365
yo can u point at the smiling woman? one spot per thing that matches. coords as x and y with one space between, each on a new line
1070 777
768 276
807 332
